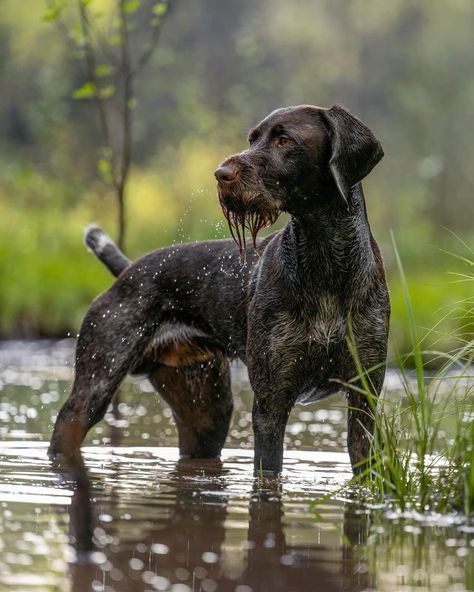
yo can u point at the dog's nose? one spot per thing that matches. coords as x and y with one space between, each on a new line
226 174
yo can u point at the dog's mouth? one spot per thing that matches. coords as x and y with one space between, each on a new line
241 220
247 204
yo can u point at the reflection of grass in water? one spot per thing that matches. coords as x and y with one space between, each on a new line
404 555
422 454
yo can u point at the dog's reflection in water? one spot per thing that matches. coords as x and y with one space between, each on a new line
190 539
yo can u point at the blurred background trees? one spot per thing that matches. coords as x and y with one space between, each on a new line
406 68
114 45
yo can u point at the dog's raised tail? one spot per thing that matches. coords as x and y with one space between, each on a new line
104 248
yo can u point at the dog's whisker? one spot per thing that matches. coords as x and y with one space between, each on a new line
231 228
237 224
239 221
256 224
244 251
227 216
235 230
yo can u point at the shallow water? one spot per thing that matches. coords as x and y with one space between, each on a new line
143 520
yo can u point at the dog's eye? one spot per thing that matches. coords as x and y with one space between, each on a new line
284 141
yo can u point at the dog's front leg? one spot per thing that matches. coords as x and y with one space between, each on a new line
274 393
269 418
360 428
361 412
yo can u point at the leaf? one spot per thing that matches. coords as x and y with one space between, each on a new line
103 70
51 14
131 6
77 35
54 10
86 91
106 91
105 169
160 8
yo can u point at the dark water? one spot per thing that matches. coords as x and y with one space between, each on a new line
144 521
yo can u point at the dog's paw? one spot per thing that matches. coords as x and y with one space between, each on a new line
68 466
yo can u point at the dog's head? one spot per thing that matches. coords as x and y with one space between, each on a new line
299 157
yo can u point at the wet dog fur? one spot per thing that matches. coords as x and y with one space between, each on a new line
284 305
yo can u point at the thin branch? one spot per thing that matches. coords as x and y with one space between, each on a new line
148 52
91 64
125 71
121 153
127 88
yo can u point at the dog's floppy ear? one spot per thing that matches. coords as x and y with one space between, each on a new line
354 148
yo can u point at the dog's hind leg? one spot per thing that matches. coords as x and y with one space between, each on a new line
200 398
111 340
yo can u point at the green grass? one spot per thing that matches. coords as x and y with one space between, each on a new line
422 449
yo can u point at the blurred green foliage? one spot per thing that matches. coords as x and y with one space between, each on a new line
406 68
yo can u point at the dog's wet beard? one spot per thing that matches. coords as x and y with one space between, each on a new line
252 221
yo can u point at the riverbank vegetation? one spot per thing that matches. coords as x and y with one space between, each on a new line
422 453
401 70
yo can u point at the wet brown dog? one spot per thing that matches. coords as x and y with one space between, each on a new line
181 313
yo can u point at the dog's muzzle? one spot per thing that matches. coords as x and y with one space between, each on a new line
245 204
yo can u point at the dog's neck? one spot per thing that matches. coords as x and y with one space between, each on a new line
329 247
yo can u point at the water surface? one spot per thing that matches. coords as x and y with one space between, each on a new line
142 520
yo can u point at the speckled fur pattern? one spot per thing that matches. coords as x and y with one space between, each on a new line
286 309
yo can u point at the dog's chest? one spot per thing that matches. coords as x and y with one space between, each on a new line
309 349
312 328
